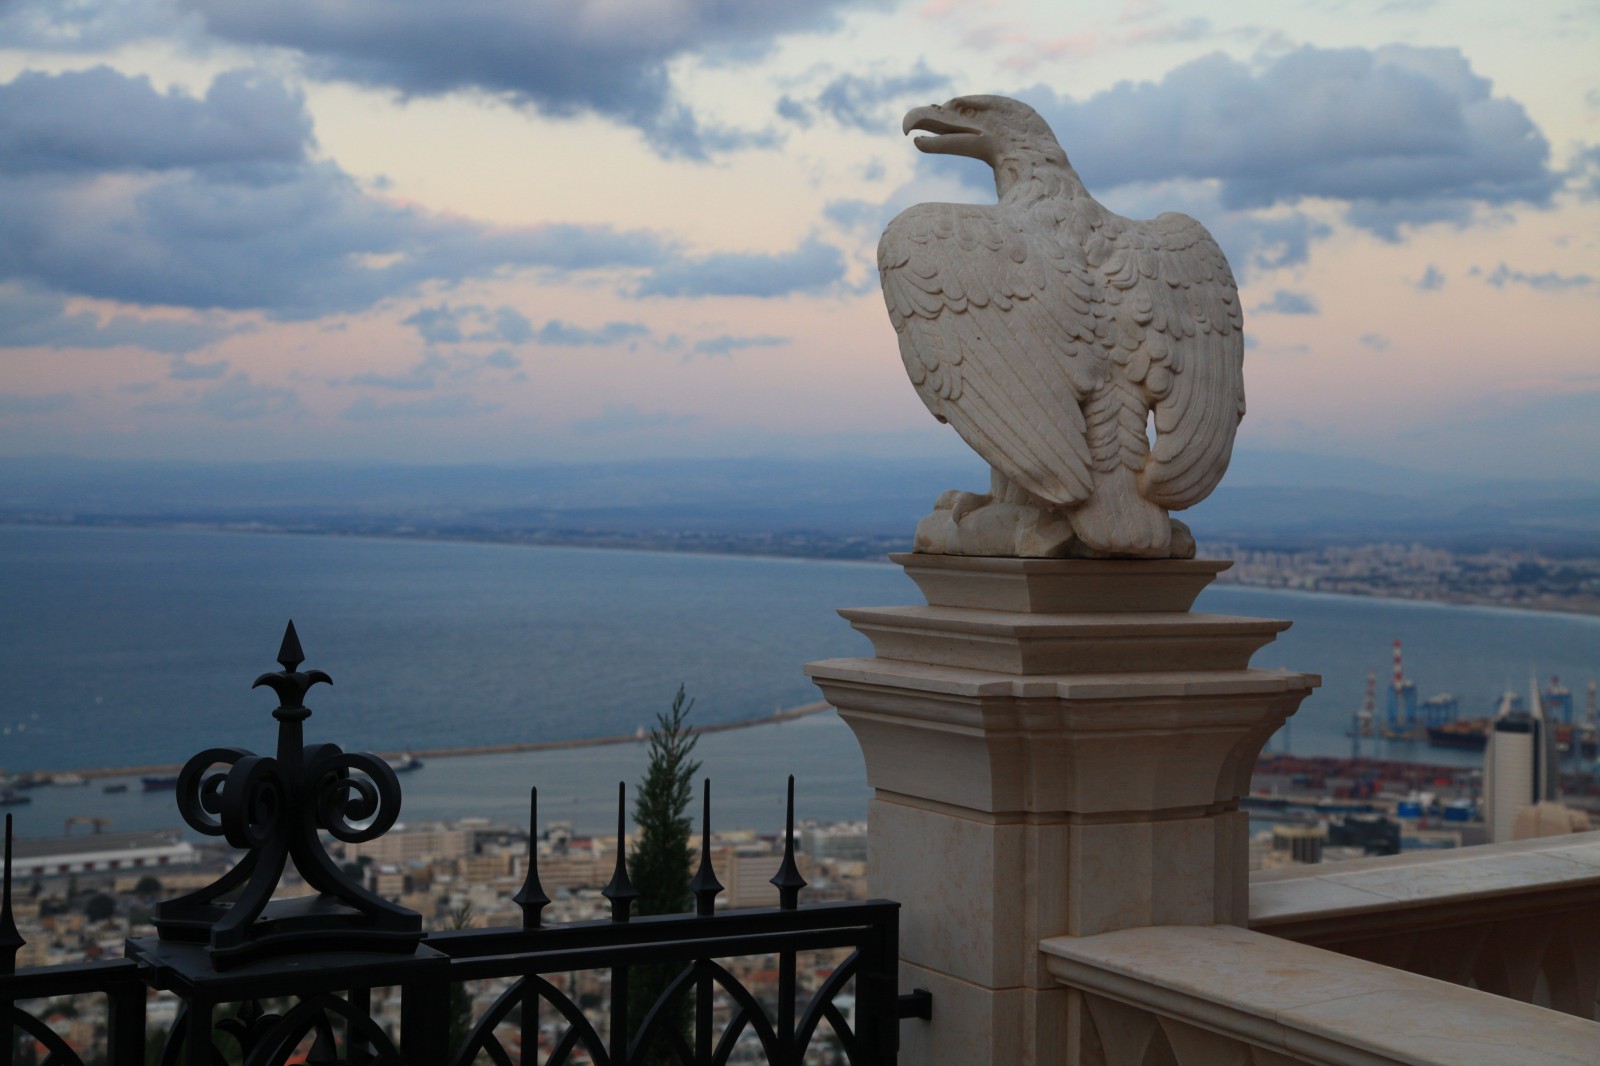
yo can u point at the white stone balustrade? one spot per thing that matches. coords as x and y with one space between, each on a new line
1223 996
1518 919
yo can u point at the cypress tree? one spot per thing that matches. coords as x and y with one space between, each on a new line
660 863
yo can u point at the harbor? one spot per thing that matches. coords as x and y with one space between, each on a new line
1437 719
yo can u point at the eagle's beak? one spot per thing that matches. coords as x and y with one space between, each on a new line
949 137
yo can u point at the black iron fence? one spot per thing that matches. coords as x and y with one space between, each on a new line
263 982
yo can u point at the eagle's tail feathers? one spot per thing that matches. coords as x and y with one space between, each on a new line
1116 519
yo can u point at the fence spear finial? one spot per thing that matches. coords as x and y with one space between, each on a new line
289 683
620 891
788 877
531 898
705 885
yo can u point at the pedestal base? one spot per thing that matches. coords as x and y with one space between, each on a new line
1051 758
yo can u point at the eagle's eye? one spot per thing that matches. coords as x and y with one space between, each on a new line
966 111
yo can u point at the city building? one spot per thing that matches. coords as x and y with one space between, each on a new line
1518 766
100 853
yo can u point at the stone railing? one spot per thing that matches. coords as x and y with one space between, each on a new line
1520 920
1223 996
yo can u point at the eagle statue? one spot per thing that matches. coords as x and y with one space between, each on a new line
1095 362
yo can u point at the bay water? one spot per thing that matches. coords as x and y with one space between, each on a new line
125 647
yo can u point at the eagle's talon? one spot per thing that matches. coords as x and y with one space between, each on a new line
967 502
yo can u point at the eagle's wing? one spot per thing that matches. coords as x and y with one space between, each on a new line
997 334
1174 328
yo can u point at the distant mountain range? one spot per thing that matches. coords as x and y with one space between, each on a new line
1276 499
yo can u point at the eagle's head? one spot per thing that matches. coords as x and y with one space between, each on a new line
982 127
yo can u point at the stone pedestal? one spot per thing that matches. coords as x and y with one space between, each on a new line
1058 747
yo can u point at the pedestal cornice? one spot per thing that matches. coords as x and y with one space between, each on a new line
1022 643
1144 744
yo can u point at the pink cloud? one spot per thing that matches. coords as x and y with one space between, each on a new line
1030 51
1182 31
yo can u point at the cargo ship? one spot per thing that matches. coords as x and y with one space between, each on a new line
1466 734
1472 734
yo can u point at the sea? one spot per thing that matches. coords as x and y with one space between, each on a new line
129 647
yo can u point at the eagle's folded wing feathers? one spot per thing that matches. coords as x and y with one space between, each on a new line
959 280
1195 343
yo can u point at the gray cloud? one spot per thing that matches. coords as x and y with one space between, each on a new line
1376 341
508 325
1284 302
84 27
558 333
20 403
98 119
626 418
1549 281
183 370
30 319
422 375
726 344
295 237
812 267
678 132
1266 243
559 57
435 368
865 102
858 214
235 398
1585 171
470 322
1387 220
1432 279
437 325
793 110
444 405
1402 134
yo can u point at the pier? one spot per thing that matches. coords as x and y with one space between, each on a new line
778 717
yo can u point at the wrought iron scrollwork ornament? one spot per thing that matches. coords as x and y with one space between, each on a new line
275 807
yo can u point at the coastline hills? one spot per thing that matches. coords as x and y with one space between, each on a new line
1523 543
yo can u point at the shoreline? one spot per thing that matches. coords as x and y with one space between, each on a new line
1578 607
778 717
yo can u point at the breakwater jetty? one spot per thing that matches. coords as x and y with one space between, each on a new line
640 736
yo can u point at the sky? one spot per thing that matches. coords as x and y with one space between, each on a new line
558 230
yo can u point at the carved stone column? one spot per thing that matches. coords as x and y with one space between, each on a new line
1058 747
